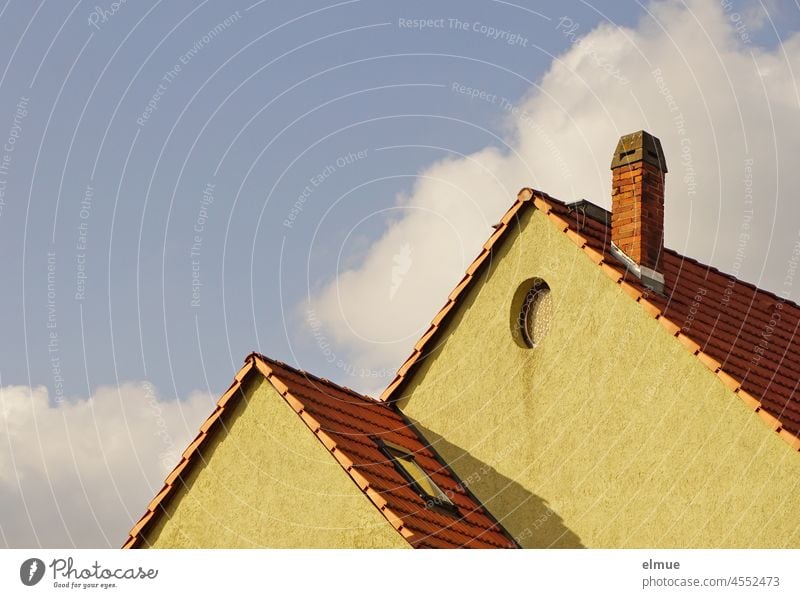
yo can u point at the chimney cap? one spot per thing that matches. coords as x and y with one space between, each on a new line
637 147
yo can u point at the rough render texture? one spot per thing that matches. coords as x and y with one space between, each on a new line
607 434
268 482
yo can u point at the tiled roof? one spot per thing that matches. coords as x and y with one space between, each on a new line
350 426
748 337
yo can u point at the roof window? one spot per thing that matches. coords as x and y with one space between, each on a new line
418 479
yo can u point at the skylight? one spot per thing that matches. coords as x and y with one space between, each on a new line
418 479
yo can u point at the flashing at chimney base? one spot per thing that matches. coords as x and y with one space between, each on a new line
650 278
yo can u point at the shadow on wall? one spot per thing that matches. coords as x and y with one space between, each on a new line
527 517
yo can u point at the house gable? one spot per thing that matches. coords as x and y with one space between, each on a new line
608 433
263 480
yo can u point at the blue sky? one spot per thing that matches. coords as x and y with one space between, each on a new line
197 178
275 98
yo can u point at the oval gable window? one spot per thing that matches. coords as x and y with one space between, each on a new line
532 312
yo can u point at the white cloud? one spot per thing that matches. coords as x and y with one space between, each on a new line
80 473
686 74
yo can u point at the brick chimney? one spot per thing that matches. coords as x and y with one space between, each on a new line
637 206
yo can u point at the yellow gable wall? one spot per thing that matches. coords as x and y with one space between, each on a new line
268 482
607 434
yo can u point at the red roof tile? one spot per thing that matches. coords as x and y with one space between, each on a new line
351 426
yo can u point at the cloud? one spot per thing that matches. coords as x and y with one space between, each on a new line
728 115
81 472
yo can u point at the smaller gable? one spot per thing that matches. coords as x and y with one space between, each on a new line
353 429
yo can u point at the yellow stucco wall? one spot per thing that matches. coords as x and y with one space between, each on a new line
268 482
607 434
